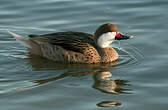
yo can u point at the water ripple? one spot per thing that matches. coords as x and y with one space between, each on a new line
128 55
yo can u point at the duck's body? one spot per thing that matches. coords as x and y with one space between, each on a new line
70 47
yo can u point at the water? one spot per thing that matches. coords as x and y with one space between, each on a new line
138 81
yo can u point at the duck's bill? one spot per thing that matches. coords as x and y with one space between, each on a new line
120 36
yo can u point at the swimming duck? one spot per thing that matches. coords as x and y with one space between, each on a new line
75 47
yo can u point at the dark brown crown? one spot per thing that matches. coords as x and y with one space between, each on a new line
104 29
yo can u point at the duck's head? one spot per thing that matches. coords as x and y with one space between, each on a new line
108 33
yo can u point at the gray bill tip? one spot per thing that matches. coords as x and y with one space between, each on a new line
131 37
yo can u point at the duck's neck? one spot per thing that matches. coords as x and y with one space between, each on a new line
108 54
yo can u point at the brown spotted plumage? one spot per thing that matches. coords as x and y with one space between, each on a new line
71 47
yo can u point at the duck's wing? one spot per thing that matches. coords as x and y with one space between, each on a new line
73 41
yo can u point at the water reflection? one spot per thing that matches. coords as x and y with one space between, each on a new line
83 73
104 82
108 104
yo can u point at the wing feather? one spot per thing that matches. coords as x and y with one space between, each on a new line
73 41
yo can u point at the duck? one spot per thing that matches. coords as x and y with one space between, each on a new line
75 47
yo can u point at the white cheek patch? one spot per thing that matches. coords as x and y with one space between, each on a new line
106 39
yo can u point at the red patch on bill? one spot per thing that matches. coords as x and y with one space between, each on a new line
118 35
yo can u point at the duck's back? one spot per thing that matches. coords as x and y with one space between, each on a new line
68 47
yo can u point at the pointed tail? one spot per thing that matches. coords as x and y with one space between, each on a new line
26 42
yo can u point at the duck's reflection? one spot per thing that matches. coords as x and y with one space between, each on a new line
83 73
108 104
104 82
